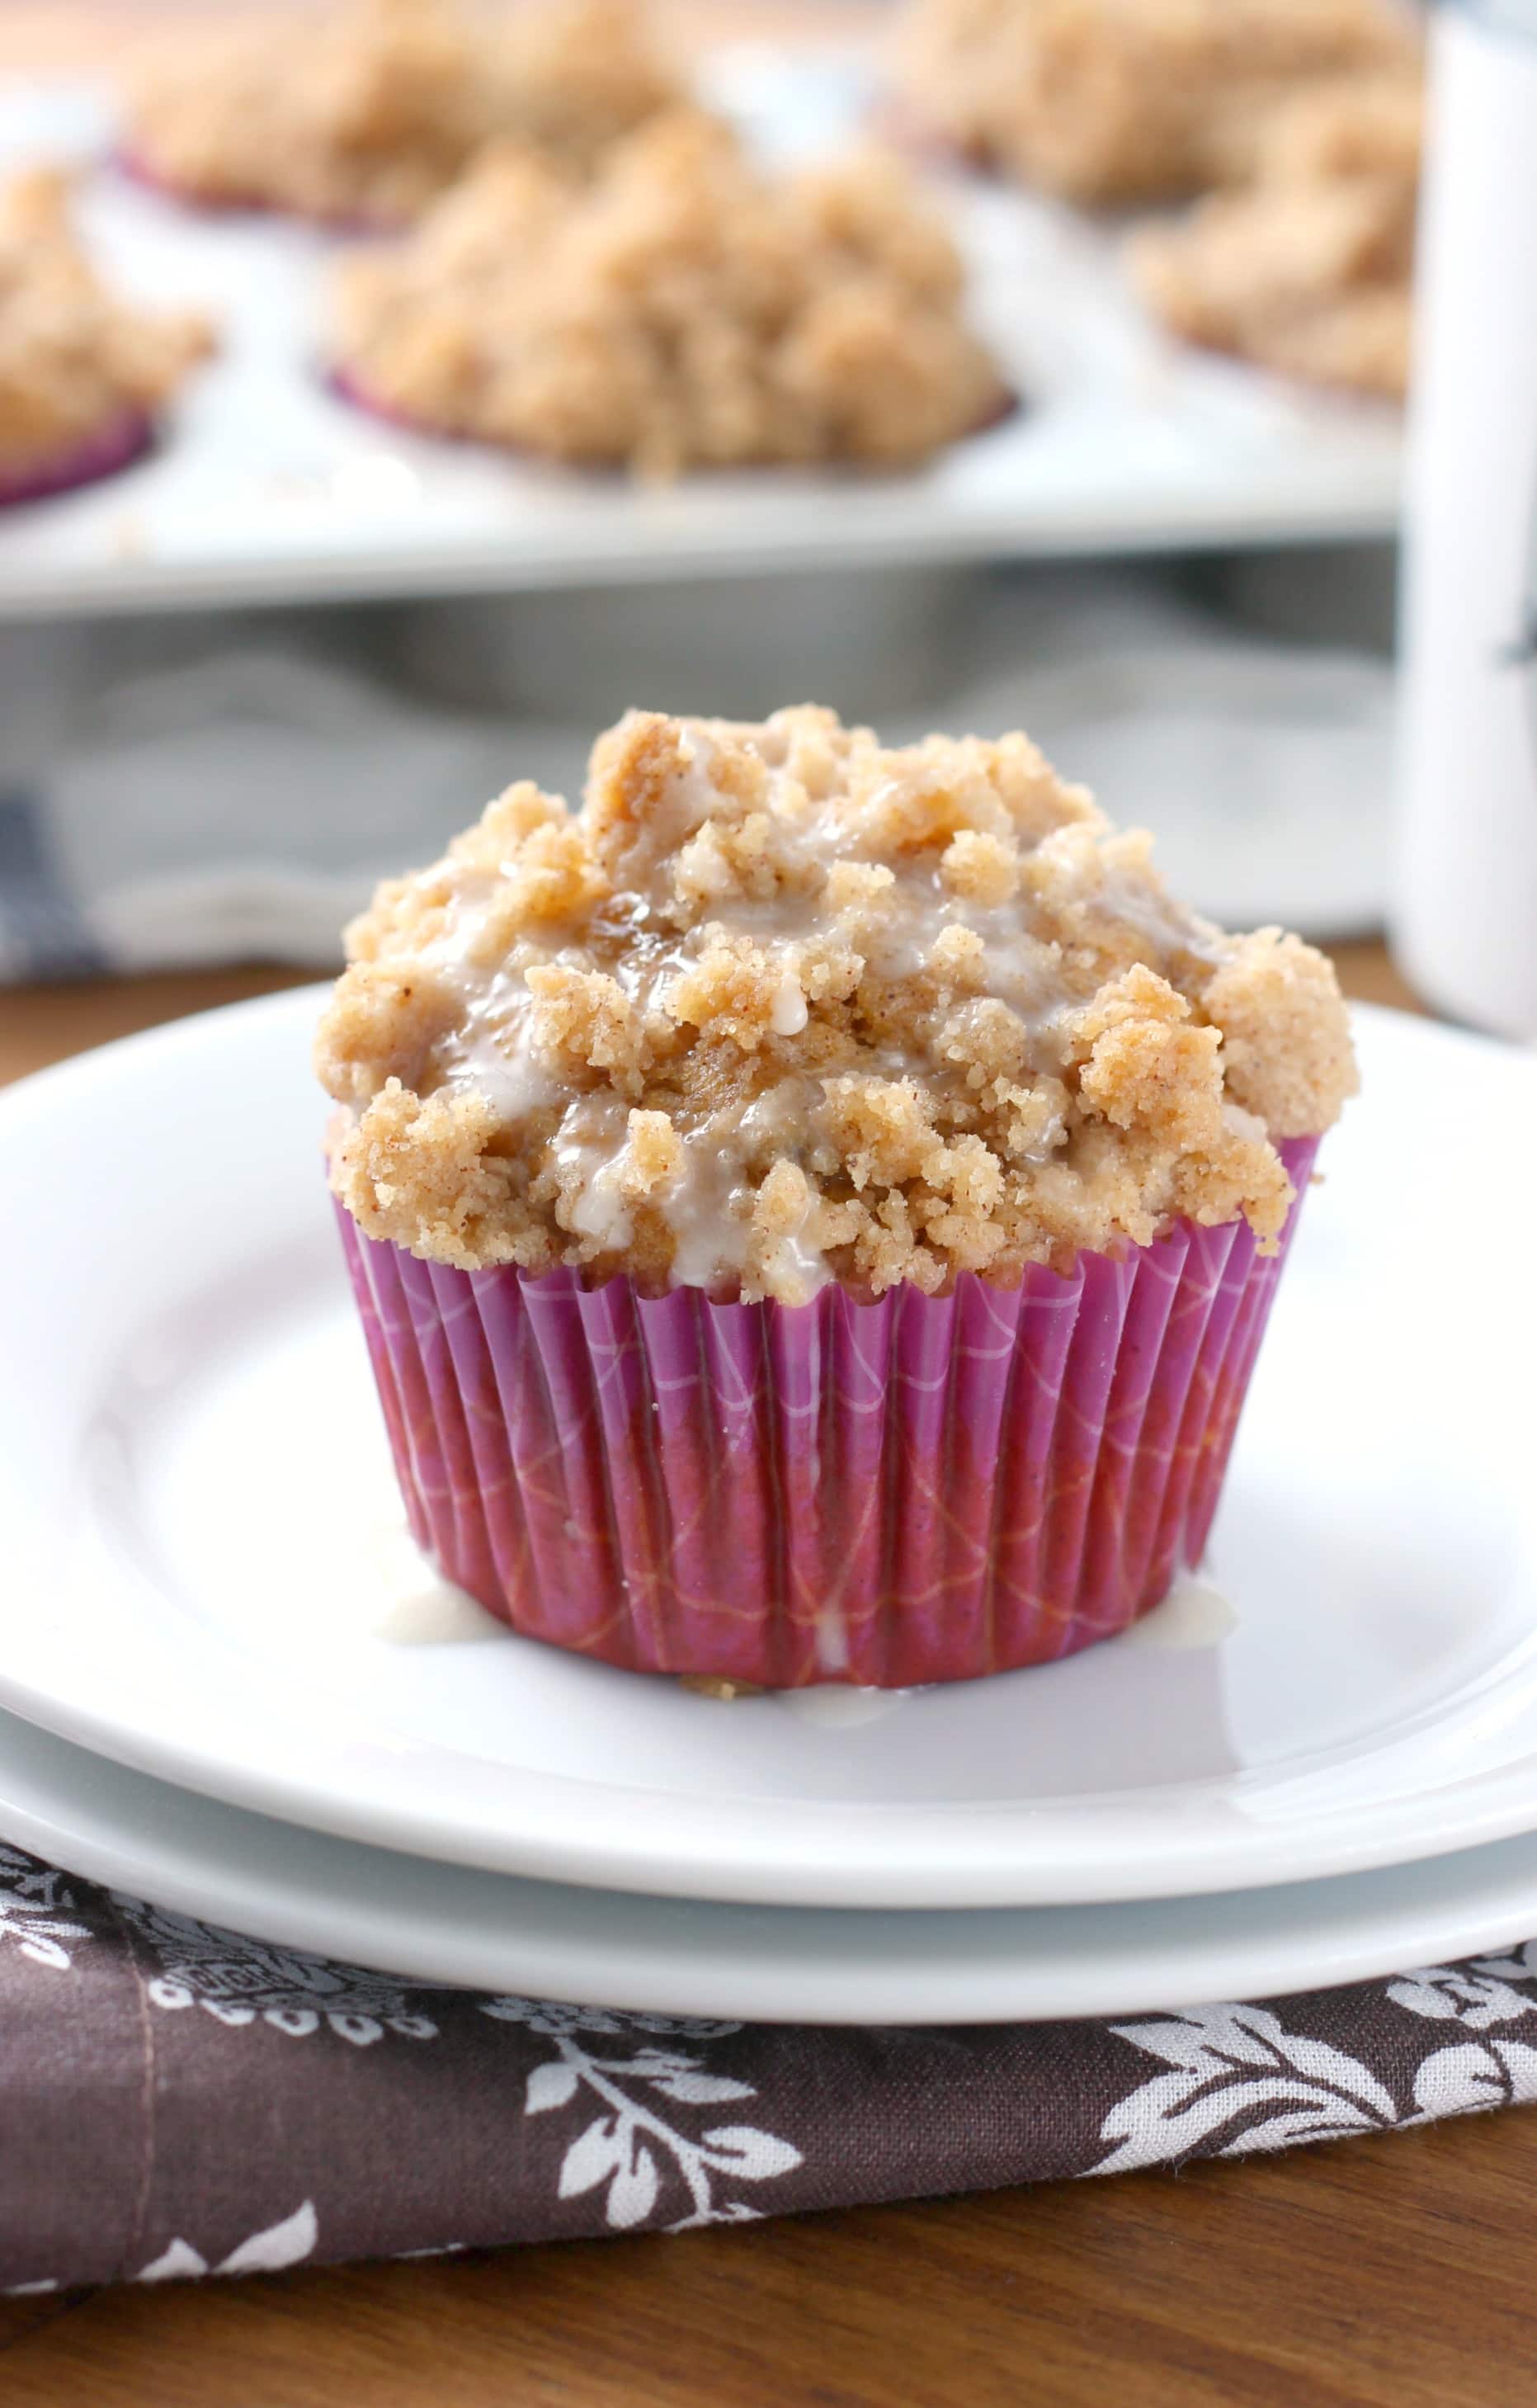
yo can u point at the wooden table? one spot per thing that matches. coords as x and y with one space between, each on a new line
1392 2273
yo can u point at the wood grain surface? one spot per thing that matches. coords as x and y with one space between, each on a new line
1391 2272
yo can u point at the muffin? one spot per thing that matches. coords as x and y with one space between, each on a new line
386 101
83 374
1309 269
1114 102
682 309
813 1210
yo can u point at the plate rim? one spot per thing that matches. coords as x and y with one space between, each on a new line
450 1927
1222 1858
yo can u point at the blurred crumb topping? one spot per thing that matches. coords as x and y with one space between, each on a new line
373 111
681 309
1308 269
778 1005
1114 102
74 359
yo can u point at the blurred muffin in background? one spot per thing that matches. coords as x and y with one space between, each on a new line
683 309
571 76
371 113
1309 269
81 372
1117 102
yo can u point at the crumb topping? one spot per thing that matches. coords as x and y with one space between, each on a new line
388 100
1121 101
681 308
778 1005
1308 269
73 358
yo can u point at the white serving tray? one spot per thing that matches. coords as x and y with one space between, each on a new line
269 487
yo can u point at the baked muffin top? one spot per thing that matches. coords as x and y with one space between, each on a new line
1309 268
1123 101
74 359
778 1005
379 107
683 309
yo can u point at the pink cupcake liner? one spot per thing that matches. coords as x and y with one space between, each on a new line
346 386
357 396
117 444
137 170
913 1490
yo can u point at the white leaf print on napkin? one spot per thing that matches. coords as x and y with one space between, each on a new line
267 2252
1238 2068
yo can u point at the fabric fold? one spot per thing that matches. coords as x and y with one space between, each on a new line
177 2100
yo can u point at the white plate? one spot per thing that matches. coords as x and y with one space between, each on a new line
761 1964
268 488
204 1572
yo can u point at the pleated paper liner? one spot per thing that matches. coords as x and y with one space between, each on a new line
122 439
354 390
139 171
889 1493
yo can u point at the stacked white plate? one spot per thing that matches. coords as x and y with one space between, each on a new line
231 1685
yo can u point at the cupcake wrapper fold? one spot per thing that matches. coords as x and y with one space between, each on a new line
137 170
117 444
351 389
918 1489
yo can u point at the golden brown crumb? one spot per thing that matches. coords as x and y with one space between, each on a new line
386 100
798 1007
572 75
711 1685
73 358
682 309
1309 269
1120 101
1347 125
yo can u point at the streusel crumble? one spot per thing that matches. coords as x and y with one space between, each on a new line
1309 270
381 104
1122 101
75 361
683 309
777 1005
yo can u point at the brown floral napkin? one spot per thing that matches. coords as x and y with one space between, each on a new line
177 2100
